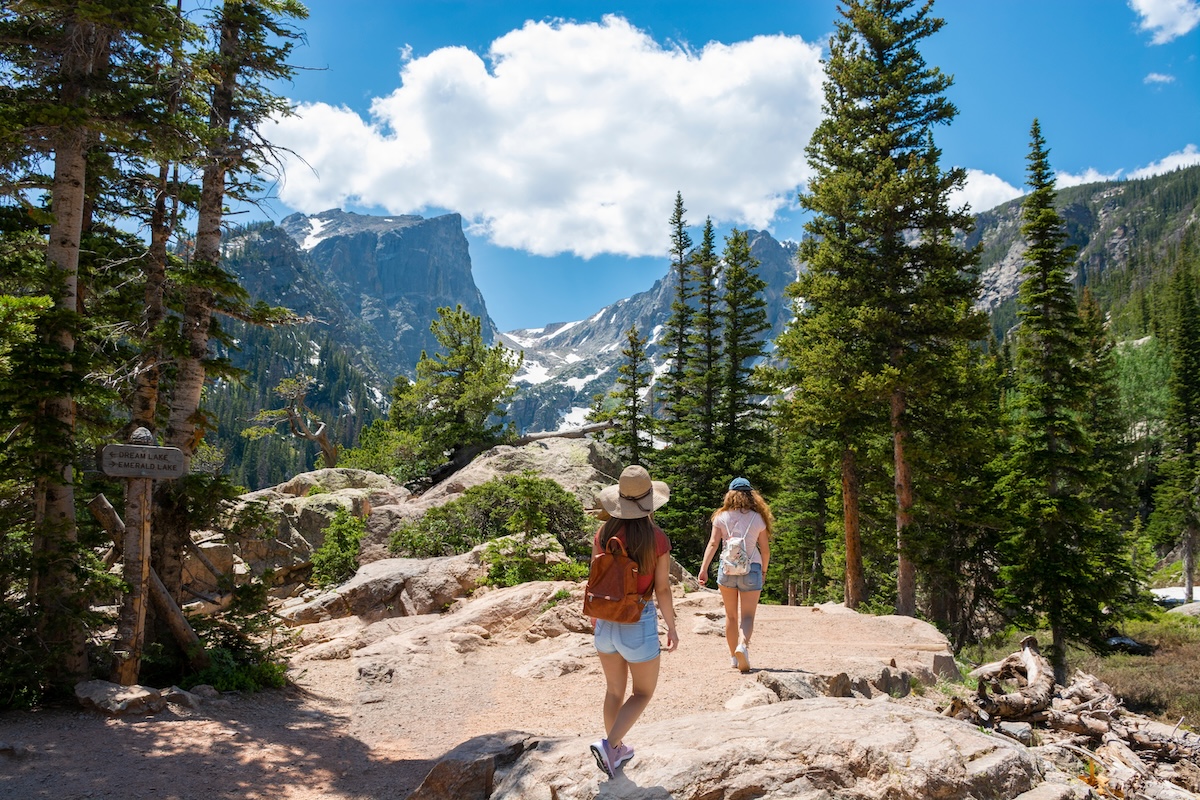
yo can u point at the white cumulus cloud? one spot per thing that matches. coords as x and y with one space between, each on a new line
1167 19
571 137
1158 77
1090 175
984 191
1189 156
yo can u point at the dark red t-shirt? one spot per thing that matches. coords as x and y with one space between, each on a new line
662 546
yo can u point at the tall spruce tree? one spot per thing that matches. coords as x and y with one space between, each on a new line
251 41
454 405
888 295
1176 516
702 375
627 406
674 339
71 99
1106 423
1066 566
690 461
745 446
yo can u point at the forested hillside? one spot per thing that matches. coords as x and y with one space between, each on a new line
1129 235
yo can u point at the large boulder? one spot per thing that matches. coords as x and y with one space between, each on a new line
1186 610
339 478
581 466
280 528
807 750
117 700
394 587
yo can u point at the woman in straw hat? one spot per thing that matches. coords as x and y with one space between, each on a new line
743 513
632 650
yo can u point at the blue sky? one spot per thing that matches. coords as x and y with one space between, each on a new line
562 130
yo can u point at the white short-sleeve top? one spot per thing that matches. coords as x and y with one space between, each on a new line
744 522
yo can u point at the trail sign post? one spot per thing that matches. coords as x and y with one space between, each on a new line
140 463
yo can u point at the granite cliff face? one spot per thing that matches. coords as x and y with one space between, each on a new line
391 274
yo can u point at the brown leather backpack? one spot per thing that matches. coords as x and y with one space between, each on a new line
611 591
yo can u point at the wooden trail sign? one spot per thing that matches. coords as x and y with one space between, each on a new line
140 463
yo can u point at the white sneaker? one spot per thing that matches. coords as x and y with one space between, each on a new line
603 754
742 656
733 662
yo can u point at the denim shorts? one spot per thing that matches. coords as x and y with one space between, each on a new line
752 581
634 641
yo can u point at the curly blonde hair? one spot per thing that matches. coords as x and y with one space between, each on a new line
743 500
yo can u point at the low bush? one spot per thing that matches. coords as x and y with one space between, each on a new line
512 562
514 504
243 645
336 560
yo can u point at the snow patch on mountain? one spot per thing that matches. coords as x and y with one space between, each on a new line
533 373
573 419
314 236
536 337
578 383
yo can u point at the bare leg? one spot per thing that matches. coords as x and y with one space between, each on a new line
626 711
730 598
749 603
616 675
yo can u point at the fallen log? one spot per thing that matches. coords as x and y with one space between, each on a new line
1130 775
1028 665
1130 755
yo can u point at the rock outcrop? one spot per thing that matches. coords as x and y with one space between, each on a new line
810 749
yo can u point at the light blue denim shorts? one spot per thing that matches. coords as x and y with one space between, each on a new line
634 641
752 581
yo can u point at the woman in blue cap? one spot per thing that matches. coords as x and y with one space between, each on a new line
741 529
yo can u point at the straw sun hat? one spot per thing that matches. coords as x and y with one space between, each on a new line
635 496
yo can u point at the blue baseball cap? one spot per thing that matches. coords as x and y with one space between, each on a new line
740 485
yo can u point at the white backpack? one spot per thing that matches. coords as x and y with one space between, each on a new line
735 558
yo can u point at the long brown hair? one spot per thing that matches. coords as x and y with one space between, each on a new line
740 500
639 540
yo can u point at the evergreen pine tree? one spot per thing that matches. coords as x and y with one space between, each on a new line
1176 517
888 295
1104 417
454 404
1065 565
702 375
745 447
628 404
674 341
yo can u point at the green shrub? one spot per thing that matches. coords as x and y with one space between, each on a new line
556 598
514 504
336 560
512 562
242 645
399 454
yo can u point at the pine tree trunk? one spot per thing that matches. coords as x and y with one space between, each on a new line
144 405
1189 562
856 584
172 526
906 572
54 588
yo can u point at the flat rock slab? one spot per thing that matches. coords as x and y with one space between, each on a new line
805 750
